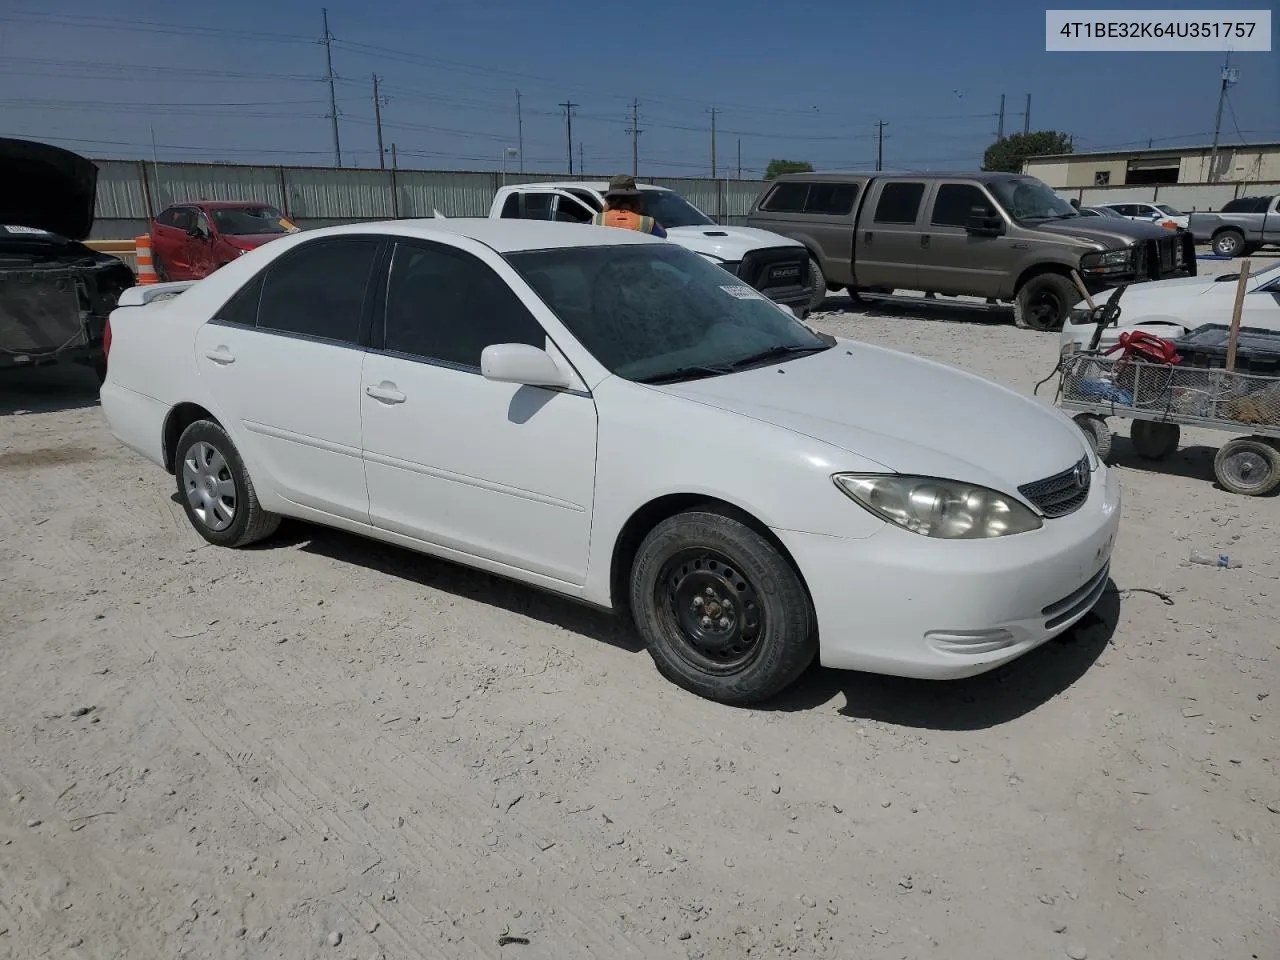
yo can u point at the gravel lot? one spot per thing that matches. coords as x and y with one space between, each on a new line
254 754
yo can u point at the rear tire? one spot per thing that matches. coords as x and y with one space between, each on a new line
1249 466
723 613
1044 301
1228 243
216 490
1154 441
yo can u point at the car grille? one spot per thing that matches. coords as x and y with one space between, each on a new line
775 268
1061 494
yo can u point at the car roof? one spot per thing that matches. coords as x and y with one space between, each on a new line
599 186
219 204
504 236
854 176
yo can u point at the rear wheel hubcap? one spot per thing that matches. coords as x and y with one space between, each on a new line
209 486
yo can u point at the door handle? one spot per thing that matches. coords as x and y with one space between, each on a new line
385 392
221 356
866 237
924 240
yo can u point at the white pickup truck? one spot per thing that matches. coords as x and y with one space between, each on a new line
775 265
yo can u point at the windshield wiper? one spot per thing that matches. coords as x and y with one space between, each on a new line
690 372
774 353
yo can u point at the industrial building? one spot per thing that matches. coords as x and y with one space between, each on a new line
1233 164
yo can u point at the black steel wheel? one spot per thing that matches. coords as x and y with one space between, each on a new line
1044 301
723 613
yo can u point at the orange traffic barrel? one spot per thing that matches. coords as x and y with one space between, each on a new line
146 265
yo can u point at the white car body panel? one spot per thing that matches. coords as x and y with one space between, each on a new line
1171 308
538 484
725 243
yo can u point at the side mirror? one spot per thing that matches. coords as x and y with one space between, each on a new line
523 364
983 223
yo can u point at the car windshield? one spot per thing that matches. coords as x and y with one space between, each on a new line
672 210
1169 211
246 221
660 313
1025 198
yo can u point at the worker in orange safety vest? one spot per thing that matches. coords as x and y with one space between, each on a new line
622 206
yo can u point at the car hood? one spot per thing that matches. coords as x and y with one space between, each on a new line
251 241
727 243
46 187
903 413
1111 233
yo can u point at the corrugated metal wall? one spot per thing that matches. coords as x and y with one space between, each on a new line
1187 197
130 192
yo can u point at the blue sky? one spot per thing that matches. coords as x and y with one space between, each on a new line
239 81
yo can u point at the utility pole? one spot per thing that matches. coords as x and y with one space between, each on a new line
328 75
377 120
568 130
880 125
739 158
713 143
1000 126
1230 76
520 129
1026 117
582 164
635 132
393 157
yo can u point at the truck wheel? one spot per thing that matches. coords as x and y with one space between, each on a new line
1249 466
1098 434
1044 302
1228 243
819 282
1154 441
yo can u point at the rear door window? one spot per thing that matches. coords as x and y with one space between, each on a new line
537 206
899 203
318 290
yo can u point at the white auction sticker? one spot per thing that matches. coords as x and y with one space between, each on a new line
1157 31
742 292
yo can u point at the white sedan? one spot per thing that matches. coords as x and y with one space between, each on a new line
611 417
1171 308
1160 213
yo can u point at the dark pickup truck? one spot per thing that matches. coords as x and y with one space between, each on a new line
55 293
1002 236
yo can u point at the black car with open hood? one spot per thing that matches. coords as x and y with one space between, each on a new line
55 292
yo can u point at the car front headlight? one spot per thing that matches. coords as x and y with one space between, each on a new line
1108 261
943 509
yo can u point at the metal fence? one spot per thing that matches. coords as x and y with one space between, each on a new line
131 192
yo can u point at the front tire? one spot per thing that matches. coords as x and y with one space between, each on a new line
723 613
1097 432
216 490
819 282
1044 301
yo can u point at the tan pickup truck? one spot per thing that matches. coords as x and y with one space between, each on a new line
1002 236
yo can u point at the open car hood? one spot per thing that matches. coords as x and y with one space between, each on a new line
47 188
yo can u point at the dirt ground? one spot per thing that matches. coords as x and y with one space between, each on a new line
253 754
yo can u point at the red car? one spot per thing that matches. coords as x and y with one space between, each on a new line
191 240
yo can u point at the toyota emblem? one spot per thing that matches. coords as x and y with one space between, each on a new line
1082 473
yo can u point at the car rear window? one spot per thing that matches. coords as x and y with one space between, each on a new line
832 199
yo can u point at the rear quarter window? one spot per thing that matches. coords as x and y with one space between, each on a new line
786 198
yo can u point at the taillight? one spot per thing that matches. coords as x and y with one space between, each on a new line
106 341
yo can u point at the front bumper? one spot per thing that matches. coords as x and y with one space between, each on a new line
905 605
781 274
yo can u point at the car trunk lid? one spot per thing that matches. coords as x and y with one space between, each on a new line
46 188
